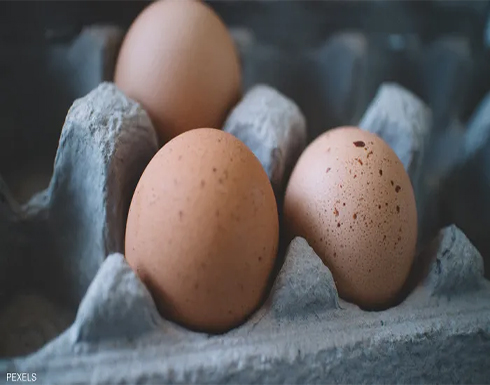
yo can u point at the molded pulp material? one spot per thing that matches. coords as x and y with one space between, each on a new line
302 333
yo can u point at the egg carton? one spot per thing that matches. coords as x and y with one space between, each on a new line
83 316
303 333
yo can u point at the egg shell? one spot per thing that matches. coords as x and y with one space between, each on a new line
179 61
351 198
203 229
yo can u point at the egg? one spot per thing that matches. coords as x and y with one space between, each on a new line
202 230
350 197
179 62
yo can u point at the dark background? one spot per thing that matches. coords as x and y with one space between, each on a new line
279 22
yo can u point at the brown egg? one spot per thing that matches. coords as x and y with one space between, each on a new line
351 198
179 61
202 231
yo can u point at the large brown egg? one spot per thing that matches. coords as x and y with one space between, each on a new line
179 61
350 197
202 231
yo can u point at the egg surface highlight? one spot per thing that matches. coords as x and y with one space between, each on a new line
202 231
179 62
350 197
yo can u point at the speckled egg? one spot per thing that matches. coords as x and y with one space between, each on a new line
202 231
351 198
